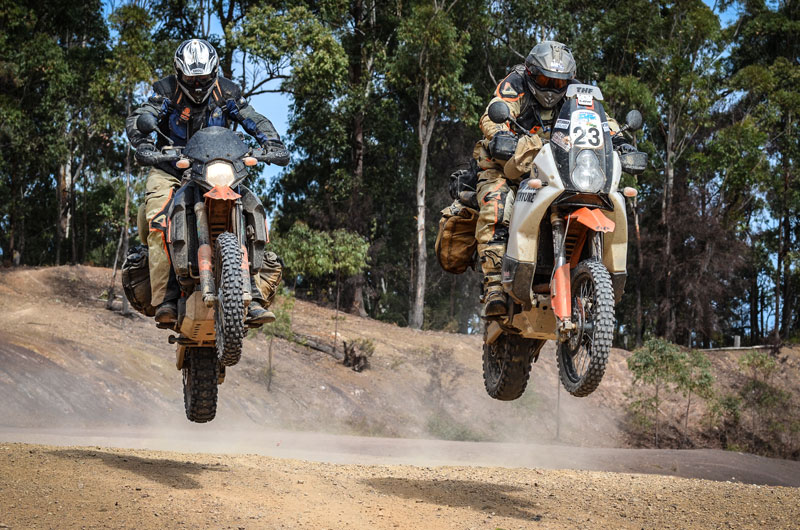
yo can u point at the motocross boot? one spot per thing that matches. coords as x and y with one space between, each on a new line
495 299
167 312
257 315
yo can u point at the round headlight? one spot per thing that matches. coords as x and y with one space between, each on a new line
587 175
220 173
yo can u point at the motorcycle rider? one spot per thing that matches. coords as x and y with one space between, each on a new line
195 96
533 92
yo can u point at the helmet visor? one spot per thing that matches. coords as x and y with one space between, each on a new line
549 83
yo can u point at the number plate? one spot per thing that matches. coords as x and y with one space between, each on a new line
586 131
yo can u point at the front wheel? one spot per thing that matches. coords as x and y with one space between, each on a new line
229 316
200 379
582 359
507 365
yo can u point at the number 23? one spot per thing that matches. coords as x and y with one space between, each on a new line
594 136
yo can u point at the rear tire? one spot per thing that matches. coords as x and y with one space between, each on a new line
200 378
507 365
229 316
582 359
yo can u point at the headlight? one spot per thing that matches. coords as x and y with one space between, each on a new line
587 175
220 173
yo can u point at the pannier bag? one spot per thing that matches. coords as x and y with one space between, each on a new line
455 243
136 280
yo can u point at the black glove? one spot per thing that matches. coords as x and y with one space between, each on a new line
626 148
272 144
503 145
144 153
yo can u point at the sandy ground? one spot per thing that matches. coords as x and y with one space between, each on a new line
79 487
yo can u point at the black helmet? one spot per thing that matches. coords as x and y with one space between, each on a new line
550 67
196 65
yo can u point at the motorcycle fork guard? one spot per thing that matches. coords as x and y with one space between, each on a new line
223 211
560 293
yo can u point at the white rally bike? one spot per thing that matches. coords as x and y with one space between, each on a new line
565 266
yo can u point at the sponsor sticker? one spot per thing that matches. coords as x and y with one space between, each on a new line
585 99
561 140
606 128
562 124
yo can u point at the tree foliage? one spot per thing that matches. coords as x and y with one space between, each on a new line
385 98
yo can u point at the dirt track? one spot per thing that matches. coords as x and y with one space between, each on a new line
90 397
50 487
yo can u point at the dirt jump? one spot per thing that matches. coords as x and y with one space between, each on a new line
93 435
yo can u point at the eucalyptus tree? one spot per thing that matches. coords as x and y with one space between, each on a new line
428 67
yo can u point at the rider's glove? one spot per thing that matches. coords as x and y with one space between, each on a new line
503 145
626 148
144 152
272 144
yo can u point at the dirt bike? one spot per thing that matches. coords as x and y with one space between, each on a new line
215 232
565 265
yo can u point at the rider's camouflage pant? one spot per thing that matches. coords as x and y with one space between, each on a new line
159 189
495 197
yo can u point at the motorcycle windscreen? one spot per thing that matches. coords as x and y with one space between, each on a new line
580 127
214 143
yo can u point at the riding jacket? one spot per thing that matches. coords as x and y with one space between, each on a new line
179 118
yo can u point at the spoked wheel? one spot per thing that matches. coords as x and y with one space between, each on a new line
582 359
507 365
200 378
229 316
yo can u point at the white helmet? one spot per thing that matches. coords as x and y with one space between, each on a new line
196 66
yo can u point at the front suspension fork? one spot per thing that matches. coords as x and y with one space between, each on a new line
204 254
560 292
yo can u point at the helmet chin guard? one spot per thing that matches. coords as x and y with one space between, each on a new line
196 67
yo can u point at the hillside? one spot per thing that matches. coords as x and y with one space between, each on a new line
68 362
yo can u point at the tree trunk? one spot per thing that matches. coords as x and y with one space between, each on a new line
427 120
336 314
754 329
73 233
126 310
113 284
85 215
686 418
61 201
640 265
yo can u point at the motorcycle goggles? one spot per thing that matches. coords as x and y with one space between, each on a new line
198 82
549 83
